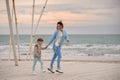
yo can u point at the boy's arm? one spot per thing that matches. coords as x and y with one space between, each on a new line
43 48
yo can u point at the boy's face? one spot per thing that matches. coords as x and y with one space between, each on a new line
40 42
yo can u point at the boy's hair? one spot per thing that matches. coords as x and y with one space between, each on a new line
40 39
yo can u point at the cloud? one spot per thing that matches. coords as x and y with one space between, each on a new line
78 13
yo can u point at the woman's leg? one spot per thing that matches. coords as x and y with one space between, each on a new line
59 57
52 61
34 64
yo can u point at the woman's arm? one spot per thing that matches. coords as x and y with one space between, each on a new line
53 38
66 36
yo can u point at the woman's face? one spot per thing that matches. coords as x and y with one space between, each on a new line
59 27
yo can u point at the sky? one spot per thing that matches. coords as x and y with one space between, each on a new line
78 16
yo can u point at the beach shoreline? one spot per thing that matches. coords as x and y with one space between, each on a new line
72 60
100 59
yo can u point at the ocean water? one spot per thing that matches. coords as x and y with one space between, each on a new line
79 45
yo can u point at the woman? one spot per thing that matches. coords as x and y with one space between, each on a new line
58 38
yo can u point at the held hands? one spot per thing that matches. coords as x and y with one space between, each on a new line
46 47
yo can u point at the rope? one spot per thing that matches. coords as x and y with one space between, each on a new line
40 16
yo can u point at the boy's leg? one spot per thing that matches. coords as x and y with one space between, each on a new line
41 62
34 64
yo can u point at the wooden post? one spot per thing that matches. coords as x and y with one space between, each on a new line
18 40
9 50
11 32
30 48
32 36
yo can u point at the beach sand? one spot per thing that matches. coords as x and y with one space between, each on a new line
73 70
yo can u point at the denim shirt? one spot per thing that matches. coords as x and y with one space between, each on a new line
55 37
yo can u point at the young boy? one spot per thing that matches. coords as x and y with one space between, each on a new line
37 55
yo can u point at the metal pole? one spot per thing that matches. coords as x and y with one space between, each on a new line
11 32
